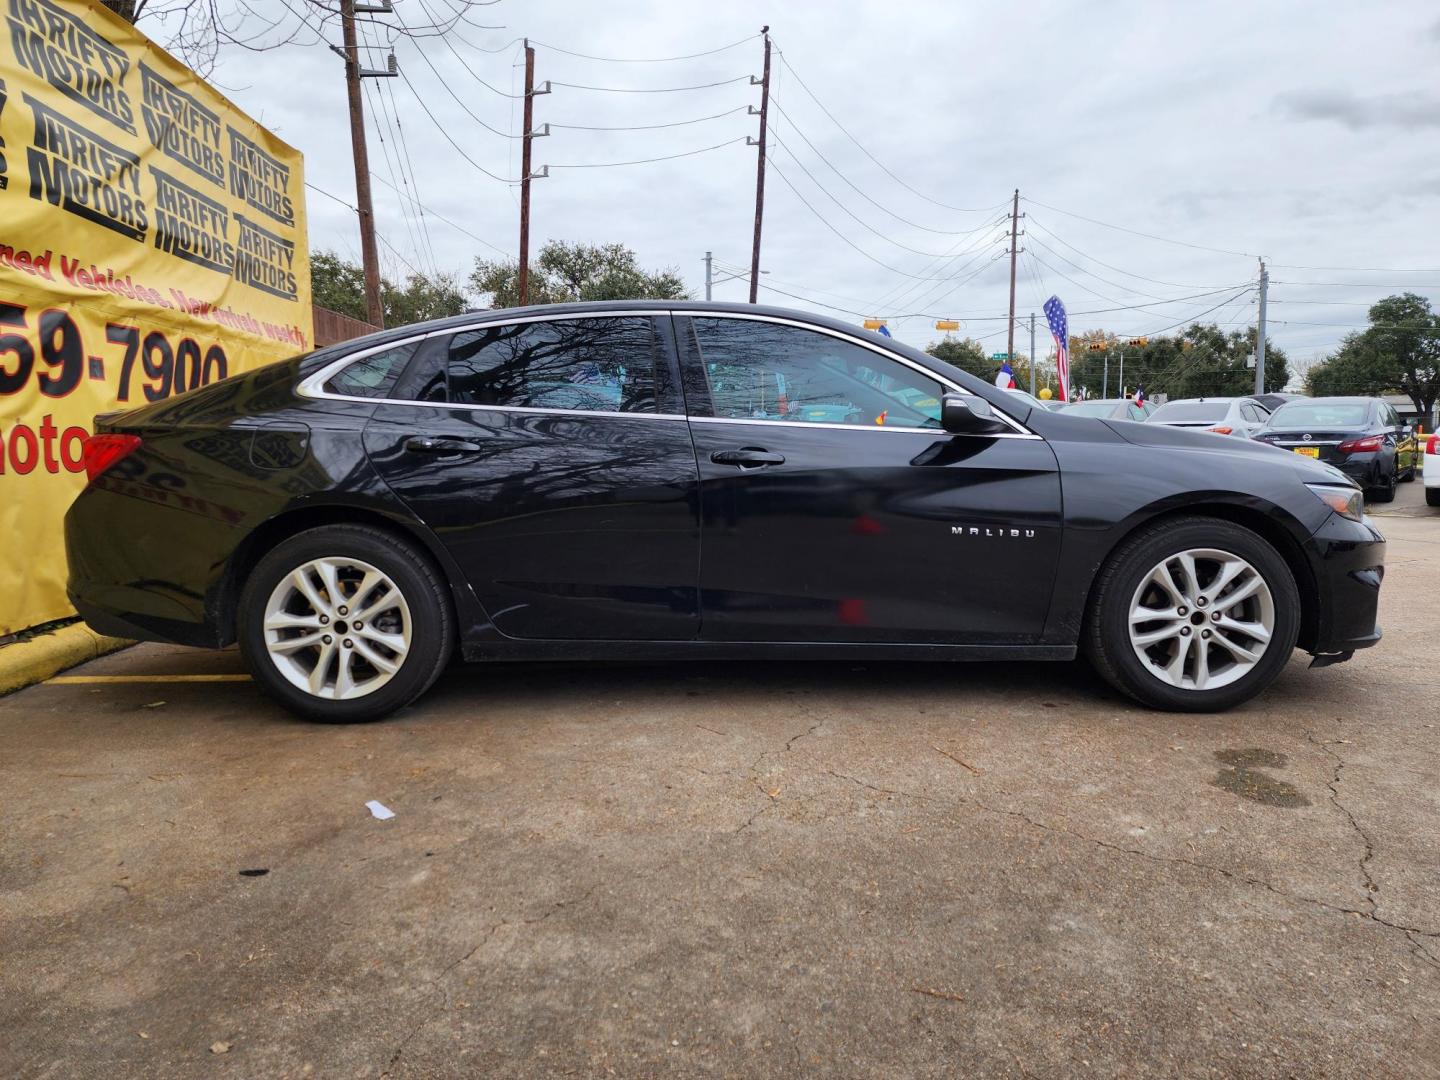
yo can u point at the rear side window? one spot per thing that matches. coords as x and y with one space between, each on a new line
374 375
590 365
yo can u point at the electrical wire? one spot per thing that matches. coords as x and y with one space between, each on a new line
444 131
1030 220
647 161
855 217
1071 263
884 168
645 60
451 91
378 235
1136 232
651 127
650 90
457 227
913 224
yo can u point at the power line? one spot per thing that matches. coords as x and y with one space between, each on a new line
378 234
1363 269
650 127
458 228
1136 232
884 168
444 131
1085 255
1071 263
650 90
647 161
645 60
451 91
1360 284
913 224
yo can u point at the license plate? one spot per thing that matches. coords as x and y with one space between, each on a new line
1308 451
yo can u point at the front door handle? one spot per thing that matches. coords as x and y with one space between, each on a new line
748 457
429 444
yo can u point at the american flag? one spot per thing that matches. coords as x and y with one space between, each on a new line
1060 328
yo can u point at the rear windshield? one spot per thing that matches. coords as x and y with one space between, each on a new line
1299 415
1091 408
1192 410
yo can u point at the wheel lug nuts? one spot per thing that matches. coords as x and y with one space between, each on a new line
1184 631
349 644
1198 603
1182 611
358 625
1204 633
344 610
324 620
327 639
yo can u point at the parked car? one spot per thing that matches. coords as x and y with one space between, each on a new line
1030 399
1242 416
1271 402
1112 409
1363 437
1432 470
355 516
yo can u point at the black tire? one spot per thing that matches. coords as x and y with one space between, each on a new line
411 571
1432 496
1384 493
1106 637
1409 475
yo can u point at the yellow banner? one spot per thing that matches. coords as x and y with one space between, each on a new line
152 240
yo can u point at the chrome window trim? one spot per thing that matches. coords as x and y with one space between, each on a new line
800 425
312 386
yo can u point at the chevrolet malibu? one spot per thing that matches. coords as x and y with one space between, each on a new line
684 481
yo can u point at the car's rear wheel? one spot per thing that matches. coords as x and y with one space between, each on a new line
1385 491
1432 496
345 623
1193 615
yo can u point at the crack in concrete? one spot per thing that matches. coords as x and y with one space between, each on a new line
437 981
771 799
1412 932
1372 887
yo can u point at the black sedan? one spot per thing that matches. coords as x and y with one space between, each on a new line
1363 437
684 481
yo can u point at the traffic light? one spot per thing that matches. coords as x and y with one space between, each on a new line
947 324
874 324
1139 342
1098 346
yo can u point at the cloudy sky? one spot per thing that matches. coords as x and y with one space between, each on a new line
1301 131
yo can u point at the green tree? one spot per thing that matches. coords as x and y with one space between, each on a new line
1202 361
967 354
565 273
339 285
1399 352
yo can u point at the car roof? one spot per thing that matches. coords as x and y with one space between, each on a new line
1206 400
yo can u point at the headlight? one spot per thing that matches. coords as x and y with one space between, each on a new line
1345 500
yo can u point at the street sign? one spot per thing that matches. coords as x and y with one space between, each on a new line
947 324
999 356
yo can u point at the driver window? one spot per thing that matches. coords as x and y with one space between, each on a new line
766 371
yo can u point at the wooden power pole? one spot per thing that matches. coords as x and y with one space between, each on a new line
374 309
760 169
524 288
1014 233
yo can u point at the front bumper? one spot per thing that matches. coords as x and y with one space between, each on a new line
1347 559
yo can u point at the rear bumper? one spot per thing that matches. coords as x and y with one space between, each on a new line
1364 469
1348 561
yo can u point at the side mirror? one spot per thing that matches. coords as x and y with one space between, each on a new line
961 414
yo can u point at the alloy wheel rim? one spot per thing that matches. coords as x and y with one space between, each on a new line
337 628
1201 619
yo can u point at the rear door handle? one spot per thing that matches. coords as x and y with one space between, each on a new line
429 444
748 457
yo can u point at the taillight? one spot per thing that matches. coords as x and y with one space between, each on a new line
1220 429
1432 445
1362 445
103 451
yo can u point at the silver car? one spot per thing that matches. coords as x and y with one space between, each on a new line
1240 416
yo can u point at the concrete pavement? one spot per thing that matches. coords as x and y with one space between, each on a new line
886 870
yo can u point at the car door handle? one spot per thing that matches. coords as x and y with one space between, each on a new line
748 457
429 444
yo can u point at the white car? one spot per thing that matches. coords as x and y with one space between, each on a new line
1242 416
1432 470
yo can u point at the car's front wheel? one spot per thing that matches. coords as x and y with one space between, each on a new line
345 623
1194 615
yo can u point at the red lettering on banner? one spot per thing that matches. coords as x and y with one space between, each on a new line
23 468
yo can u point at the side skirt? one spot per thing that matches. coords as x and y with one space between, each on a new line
580 650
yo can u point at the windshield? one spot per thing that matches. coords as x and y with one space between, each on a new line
1314 415
1091 408
1192 410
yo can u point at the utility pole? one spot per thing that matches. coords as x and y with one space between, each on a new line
1122 372
524 283
760 167
709 274
1105 386
1032 353
369 254
1014 227
1260 334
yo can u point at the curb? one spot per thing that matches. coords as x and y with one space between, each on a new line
28 662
